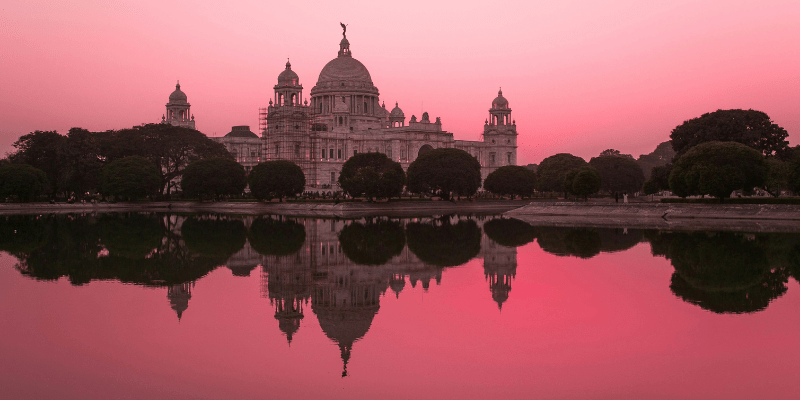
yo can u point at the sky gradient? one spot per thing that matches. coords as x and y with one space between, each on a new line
580 77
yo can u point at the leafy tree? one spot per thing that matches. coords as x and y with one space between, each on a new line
82 162
373 243
373 175
22 181
583 181
442 172
130 178
509 232
511 180
662 155
794 176
276 236
444 244
214 177
276 179
42 150
553 170
659 179
748 127
618 174
170 148
778 174
614 153
717 169
616 239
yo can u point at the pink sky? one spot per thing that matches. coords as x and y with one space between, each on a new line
580 76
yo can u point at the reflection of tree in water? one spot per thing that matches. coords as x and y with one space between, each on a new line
618 239
131 235
509 232
72 246
722 272
443 243
578 242
373 243
21 233
215 236
276 236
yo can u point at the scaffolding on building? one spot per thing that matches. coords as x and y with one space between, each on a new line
262 120
287 136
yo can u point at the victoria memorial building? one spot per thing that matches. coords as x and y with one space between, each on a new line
344 116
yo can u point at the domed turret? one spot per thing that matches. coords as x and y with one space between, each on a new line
397 118
177 96
499 102
397 112
288 77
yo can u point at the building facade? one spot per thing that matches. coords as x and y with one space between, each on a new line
344 116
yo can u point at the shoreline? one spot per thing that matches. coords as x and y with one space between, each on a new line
328 210
665 216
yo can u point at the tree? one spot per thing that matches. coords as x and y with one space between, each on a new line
614 153
659 179
441 172
794 176
82 162
717 169
279 179
748 127
583 181
511 180
563 242
214 177
170 148
553 170
372 175
214 237
42 150
662 155
618 174
130 178
22 181
778 174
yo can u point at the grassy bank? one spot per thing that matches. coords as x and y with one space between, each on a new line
737 200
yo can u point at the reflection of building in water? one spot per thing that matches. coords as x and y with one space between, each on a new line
179 296
499 268
345 295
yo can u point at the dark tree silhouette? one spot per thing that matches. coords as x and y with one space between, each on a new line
443 172
372 243
509 232
372 175
276 236
22 181
618 174
748 127
552 171
276 179
213 178
444 244
511 180
130 178
717 169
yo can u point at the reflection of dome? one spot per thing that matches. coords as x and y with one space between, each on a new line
177 96
397 112
500 101
242 270
344 69
397 283
288 77
345 325
179 296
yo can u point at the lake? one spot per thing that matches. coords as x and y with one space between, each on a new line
213 306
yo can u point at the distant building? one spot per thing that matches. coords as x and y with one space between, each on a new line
178 113
244 145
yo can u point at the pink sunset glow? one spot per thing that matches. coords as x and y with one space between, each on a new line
580 77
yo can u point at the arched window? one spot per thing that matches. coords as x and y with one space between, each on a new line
294 99
340 121
424 149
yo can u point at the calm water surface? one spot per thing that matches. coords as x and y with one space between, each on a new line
209 306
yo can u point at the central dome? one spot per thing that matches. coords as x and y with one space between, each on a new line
344 68
177 96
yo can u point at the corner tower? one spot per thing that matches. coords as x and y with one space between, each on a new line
500 135
178 110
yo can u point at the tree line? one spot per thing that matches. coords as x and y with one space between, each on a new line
714 155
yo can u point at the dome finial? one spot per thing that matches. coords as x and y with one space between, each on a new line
288 64
178 85
500 92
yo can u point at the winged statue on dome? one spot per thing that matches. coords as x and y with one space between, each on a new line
344 29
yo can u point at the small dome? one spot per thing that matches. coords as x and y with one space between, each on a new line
177 96
288 77
242 131
397 112
500 101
